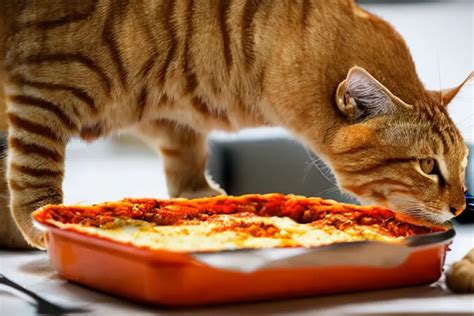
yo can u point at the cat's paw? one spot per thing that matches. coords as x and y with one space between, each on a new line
10 235
205 192
37 239
460 277
34 238
14 240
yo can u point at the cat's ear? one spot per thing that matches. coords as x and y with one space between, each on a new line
446 96
361 96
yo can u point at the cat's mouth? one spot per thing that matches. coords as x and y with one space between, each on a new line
414 212
424 218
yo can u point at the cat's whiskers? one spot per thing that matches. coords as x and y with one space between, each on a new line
424 212
468 119
330 190
322 168
326 171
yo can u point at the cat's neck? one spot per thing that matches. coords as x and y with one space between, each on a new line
323 60
373 44
381 50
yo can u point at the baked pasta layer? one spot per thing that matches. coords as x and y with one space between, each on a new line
226 222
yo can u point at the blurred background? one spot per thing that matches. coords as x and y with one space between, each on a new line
440 36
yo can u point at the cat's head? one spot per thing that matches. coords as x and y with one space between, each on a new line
410 158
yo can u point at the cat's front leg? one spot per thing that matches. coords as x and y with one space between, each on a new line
37 141
184 153
10 235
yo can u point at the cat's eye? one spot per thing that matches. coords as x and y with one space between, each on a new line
428 165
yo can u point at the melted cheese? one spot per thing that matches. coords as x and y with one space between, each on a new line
227 232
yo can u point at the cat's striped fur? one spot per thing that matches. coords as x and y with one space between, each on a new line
173 70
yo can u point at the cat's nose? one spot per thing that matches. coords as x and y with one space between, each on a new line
453 210
457 210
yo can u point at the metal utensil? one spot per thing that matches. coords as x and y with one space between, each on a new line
42 306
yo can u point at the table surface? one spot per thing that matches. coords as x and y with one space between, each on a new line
33 271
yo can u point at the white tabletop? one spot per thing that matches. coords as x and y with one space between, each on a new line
33 271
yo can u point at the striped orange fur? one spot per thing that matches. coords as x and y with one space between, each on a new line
171 71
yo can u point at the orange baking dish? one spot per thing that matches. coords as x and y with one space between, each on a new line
174 278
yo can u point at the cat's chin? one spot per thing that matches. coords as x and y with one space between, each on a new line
431 221
423 222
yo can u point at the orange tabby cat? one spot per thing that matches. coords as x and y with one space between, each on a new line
337 77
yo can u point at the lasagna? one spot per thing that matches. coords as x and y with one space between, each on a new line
228 223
